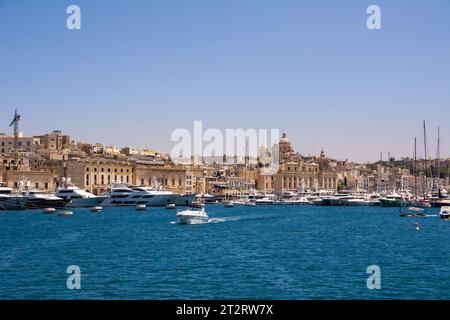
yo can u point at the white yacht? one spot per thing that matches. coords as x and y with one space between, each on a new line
192 216
298 201
39 200
9 200
122 195
78 198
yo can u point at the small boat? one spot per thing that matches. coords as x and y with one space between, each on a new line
192 216
445 213
265 200
413 212
141 207
248 203
300 201
66 213
228 204
49 210
170 206
96 209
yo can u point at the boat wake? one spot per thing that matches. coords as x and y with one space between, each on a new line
230 219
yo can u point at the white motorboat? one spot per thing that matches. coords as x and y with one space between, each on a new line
122 195
191 216
9 200
445 213
65 213
141 207
171 206
249 203
96 209
228 204
49 210
265 200
297 201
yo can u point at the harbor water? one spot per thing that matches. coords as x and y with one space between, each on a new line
263 252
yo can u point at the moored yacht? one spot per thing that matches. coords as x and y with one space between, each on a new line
122 195
78 198
40 200
395 200
9 200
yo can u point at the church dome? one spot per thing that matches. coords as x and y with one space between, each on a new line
284 139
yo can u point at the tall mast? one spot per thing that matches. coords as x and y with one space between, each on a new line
415 166
425 158
438 156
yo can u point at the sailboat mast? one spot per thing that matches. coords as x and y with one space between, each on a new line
415 166
426 162
438 156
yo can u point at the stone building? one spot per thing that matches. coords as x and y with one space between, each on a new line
97 174
297 173
24 144
170 177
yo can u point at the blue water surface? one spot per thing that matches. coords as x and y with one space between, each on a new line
263 252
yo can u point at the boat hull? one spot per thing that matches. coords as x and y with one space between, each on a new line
44 203
12 203
159 200
192 218
85 202
393 203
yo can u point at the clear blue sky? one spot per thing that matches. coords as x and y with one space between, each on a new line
137 70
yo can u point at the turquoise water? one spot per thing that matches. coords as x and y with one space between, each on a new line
264 252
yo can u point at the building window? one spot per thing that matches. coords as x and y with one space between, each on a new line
87 169
87 179
46 186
